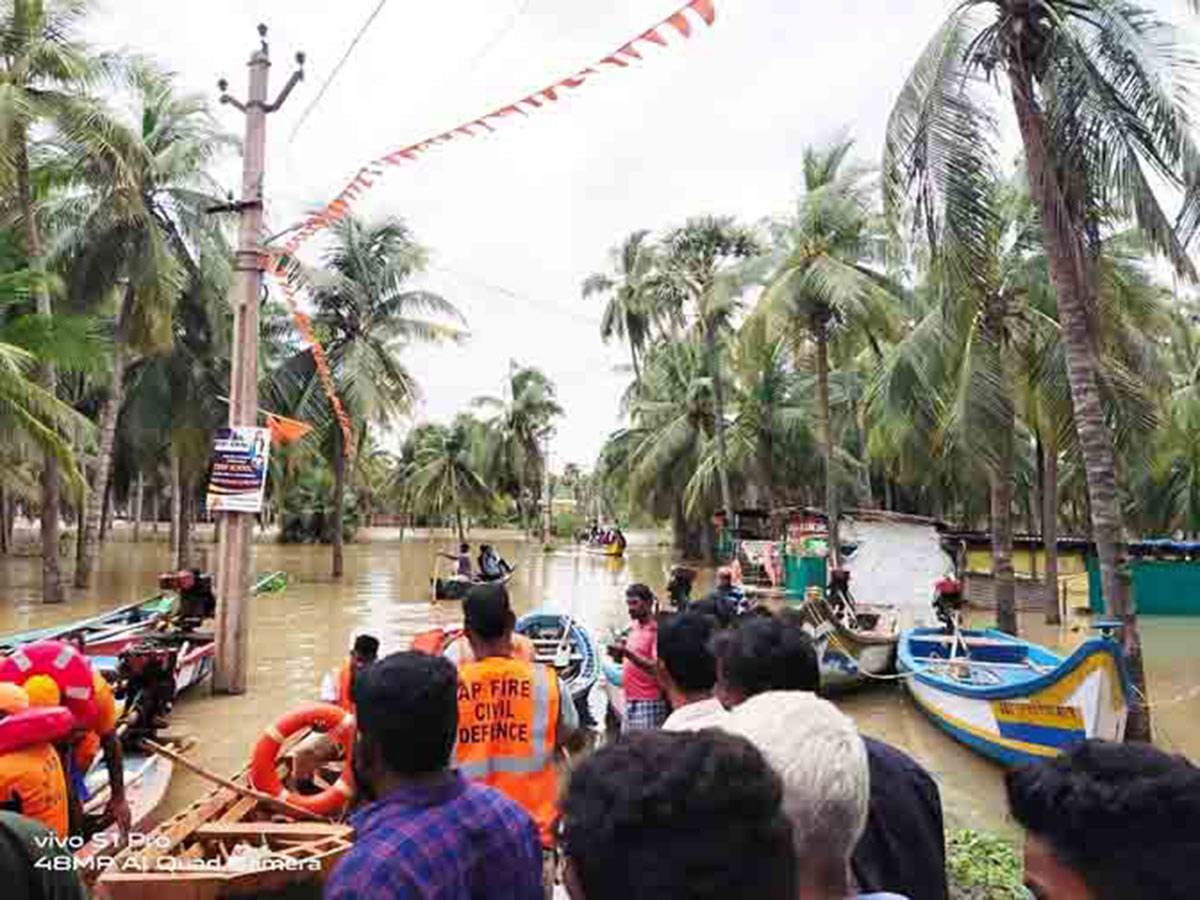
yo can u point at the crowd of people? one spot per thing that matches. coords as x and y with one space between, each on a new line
732 778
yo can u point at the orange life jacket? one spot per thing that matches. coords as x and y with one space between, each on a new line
34 777
507 731
345 680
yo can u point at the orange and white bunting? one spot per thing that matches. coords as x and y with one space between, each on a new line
682 22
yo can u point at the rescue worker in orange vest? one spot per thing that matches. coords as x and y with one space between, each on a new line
337 686
513 717
32 782
84 746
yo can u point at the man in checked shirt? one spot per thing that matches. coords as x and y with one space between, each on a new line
427 833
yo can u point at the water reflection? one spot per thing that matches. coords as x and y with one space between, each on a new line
299 634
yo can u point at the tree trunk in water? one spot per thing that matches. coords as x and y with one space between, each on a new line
51 477
714 372
138 498
107 515
1002 563
176 508
184 560
888 501
99 494
1068 263
458 520
678 526
1050 532
339 506
825 436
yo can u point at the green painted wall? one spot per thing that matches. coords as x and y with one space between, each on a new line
1160 587
801 573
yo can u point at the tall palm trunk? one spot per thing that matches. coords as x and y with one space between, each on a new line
176 509
138 499
4 547
714 372
183 559
51 477
637 368
458 521
1068 272
339 505
825 435
90 525
994 344
107 511
1050 531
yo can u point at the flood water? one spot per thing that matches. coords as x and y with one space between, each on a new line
297 635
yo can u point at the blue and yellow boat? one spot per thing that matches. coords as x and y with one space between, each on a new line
1012 700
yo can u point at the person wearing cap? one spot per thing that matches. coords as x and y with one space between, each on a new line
513 717
32 782
337 687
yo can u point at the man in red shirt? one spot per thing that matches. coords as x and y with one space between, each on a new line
645 706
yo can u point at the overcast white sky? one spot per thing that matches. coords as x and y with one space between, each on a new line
515 220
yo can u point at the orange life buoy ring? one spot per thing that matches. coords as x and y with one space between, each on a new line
62 662
338 724
40 725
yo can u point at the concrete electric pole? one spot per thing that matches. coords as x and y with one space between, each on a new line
236 529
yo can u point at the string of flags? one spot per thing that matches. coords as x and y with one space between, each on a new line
283 266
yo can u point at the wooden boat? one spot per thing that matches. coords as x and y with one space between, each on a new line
854 642
226 844
109 633
455 588
1012 700
196 648
578 665
613 550
99 630
147 778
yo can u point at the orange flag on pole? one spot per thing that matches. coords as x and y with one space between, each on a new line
285 430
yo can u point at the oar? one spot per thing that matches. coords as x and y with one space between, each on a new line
267 799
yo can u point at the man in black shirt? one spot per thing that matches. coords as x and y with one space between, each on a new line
903 849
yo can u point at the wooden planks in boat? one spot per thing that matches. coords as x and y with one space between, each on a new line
969 641
258 831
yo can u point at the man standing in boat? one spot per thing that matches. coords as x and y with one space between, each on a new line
513 717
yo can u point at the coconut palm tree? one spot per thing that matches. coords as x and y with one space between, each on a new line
368 313
1097 93
142 240
700 273
443 479
630 310
520 423
821 283
44 71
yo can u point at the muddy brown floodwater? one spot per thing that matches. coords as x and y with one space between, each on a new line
297 635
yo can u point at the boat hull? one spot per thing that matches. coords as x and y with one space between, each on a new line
1075 699
585 666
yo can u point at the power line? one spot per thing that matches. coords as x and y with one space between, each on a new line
336 69
514 295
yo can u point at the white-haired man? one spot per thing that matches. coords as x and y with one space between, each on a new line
817 752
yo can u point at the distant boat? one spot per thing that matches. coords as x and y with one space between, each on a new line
456 587
613 549
1012 700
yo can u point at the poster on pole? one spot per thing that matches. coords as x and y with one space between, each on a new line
239 470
